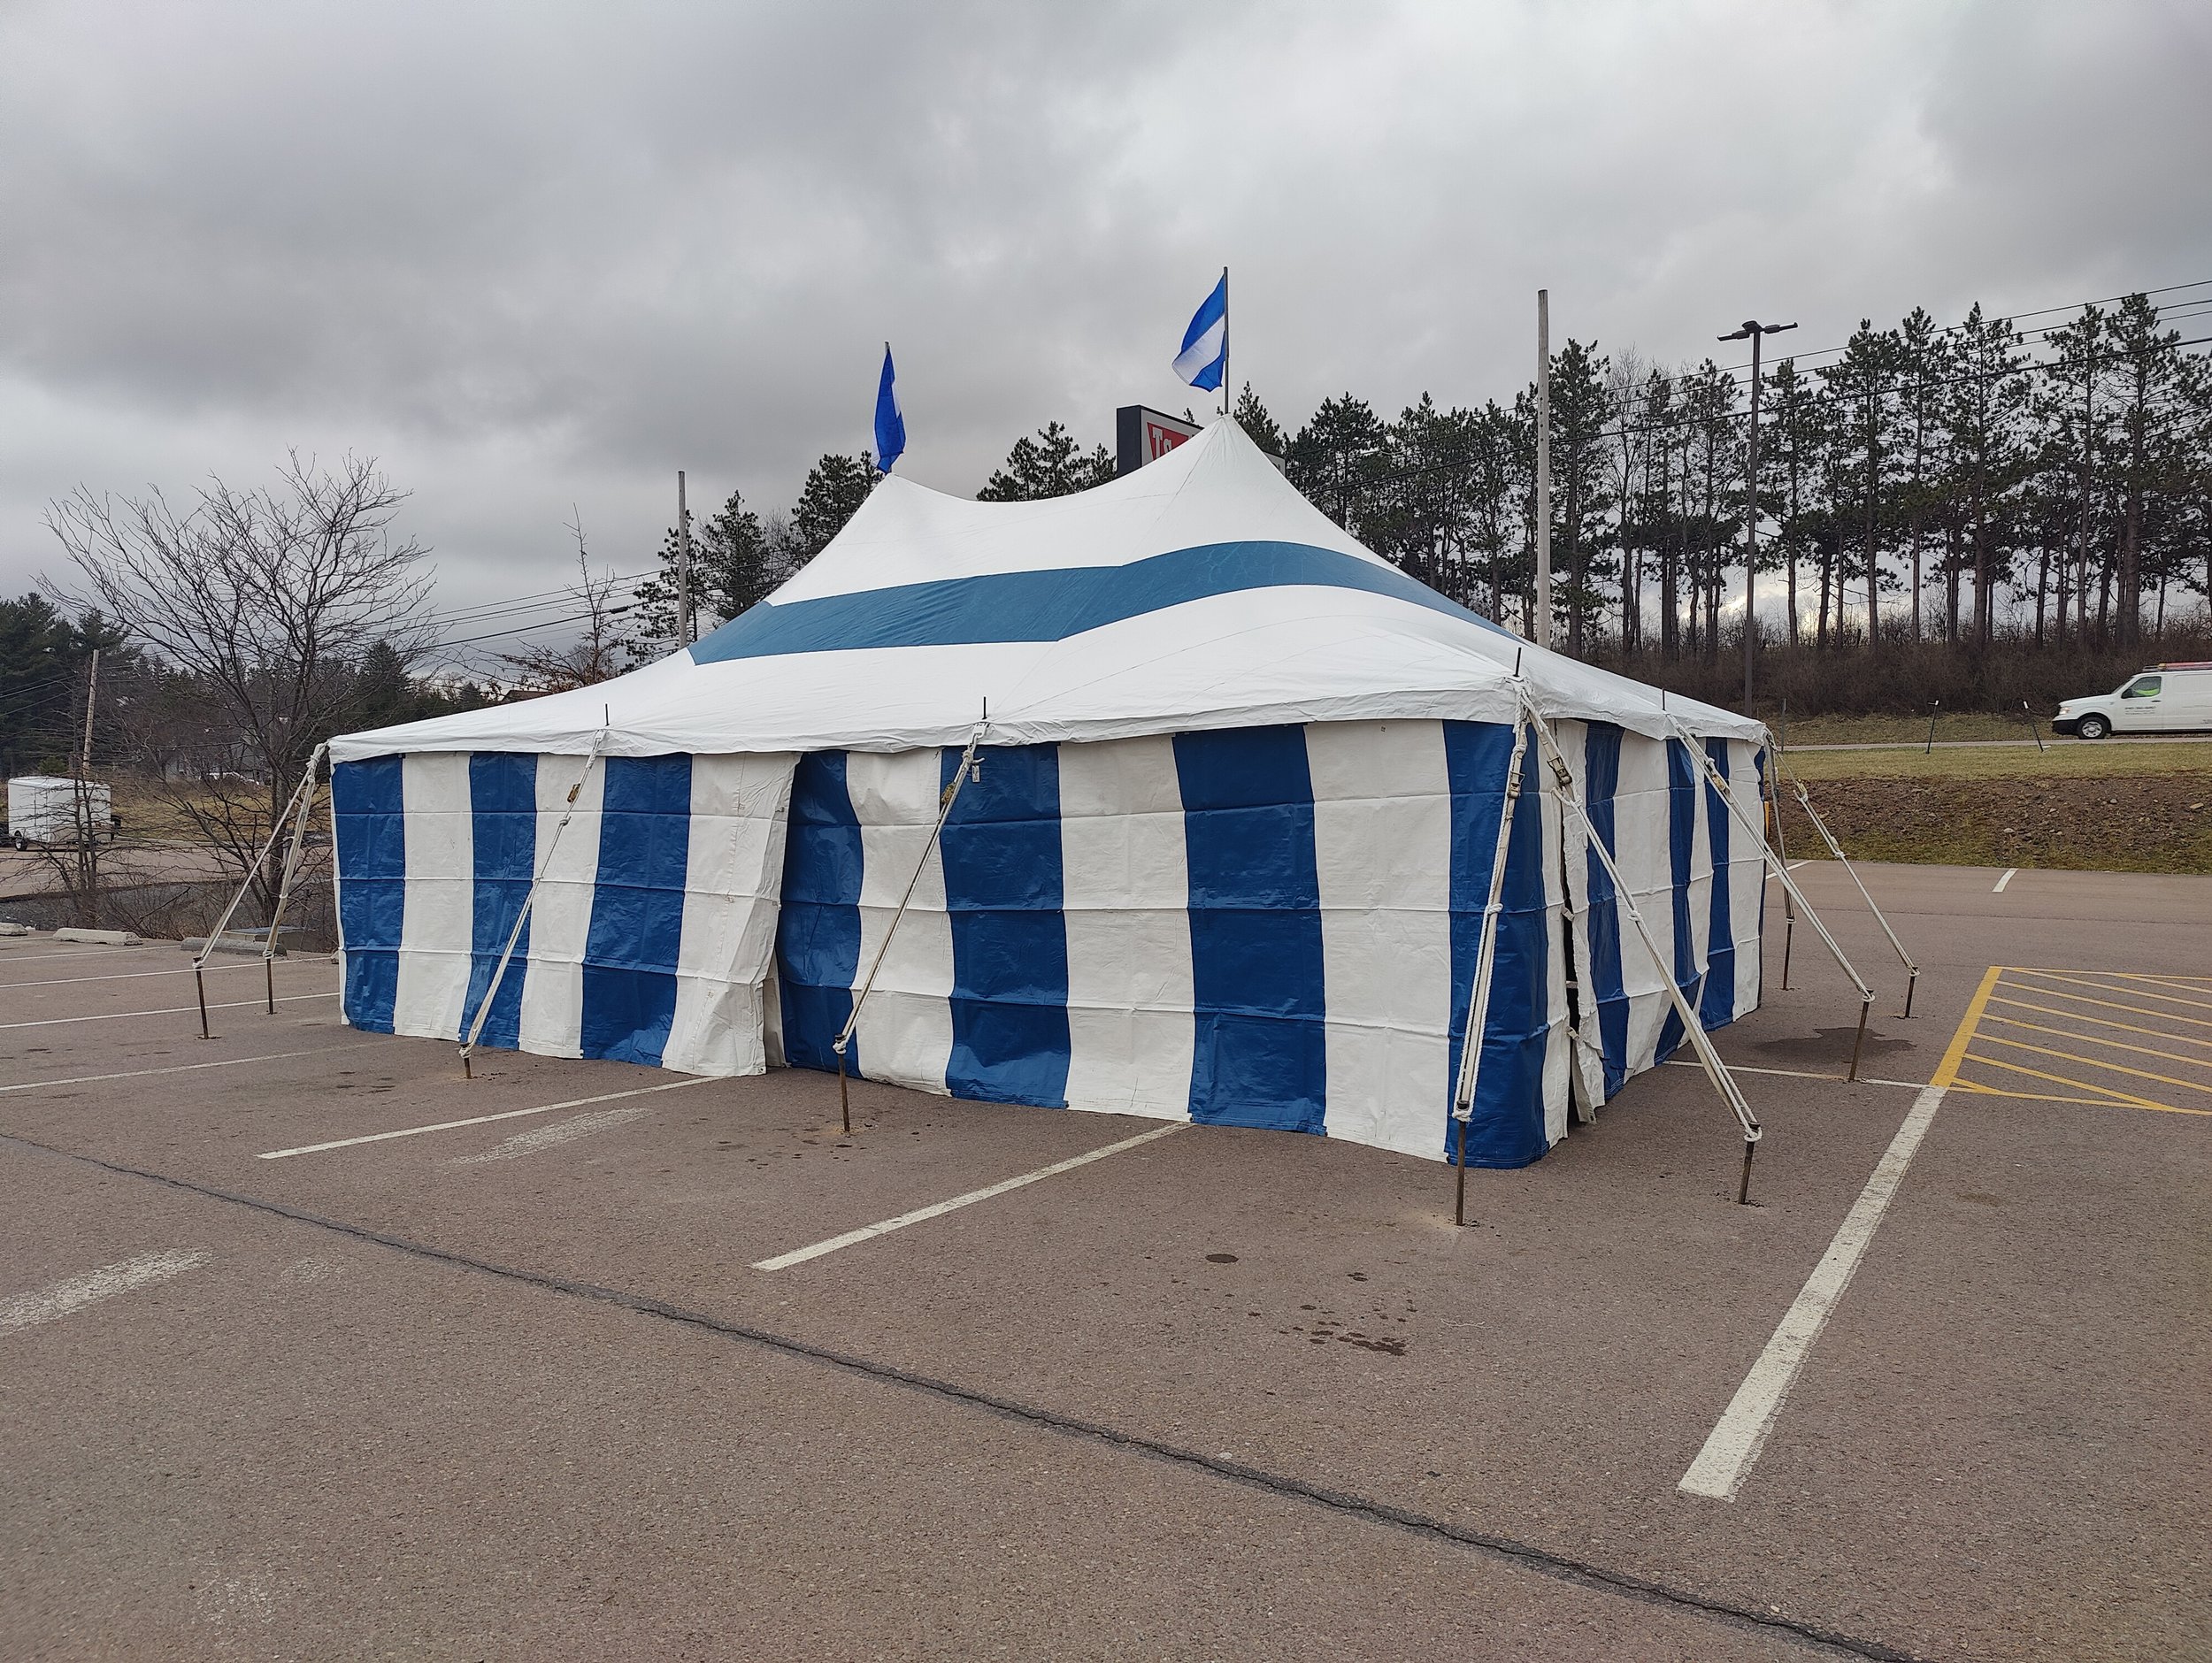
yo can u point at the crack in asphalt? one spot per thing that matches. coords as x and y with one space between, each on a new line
1526 1555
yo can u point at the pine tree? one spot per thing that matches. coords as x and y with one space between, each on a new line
1051 464
1259 425
832 493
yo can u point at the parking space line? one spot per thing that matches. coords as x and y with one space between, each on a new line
74 1293
482 1120
188 1068
869 1233
89 952
2009 872
130 976
1739 1435
1792 867
173 1010
1796 1073
2128 976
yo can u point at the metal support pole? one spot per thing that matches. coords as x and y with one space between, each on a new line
222 925
284 885
1780 869
1934 711
1716 1070
522 915
1912 971
1486 960
971 765
2033 726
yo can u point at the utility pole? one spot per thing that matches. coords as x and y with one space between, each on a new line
91 691
683 567
1543 467
1753 331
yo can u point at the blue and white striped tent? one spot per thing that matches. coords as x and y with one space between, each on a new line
1225 859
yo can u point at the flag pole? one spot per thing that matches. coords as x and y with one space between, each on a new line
1224 341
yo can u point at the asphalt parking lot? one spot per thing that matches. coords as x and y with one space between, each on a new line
309 1346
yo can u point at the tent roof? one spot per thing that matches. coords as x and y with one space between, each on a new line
1202 591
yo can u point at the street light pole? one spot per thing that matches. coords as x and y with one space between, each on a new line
1753 331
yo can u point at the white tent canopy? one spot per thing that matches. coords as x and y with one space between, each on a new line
1200 592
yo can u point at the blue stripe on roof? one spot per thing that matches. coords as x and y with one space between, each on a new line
1052 605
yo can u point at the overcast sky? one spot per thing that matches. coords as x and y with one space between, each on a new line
535 256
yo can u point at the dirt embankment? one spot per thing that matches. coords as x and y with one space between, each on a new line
2159 823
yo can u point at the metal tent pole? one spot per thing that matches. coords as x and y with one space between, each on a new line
1716 1070
970 766
222 925
284 884
568 813
1780 869
1912 971
1485 959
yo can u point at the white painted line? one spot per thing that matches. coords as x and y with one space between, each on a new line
1718 1471
1789 866
8 957
173 1010
2007 878
76 1292
561 1132
188 1068
1796 1073
133 976
481 1120
869 1233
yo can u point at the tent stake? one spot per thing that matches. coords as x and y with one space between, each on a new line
199 982
844 1101
1743 1190
1859 1044
1459 1202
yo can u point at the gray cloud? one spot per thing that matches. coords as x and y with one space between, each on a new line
536 256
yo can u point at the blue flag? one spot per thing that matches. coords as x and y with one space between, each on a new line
1204 358
890 426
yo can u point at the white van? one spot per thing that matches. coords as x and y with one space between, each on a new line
2164 699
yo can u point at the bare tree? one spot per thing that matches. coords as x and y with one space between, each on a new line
594 656
267 600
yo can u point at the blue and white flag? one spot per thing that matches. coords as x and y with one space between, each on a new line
890 426
1204 358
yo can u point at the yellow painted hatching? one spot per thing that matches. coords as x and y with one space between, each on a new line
2087 1079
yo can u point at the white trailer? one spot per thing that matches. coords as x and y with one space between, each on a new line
46 812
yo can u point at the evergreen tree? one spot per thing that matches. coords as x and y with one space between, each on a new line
832 493
1259 425
1050 464
1337 461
